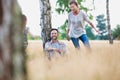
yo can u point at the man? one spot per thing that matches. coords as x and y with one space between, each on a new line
54 46
25 30
75 29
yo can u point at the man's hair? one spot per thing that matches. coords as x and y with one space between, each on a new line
50 33
54 29
73 2
24 17
23 20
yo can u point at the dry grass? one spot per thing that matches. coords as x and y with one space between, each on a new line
101 63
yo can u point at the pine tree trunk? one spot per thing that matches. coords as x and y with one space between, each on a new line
12 57
108 23
45 20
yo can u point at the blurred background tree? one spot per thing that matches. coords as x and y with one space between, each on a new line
116 32
62 31
101 25
12 53
108 23
30 37
90 33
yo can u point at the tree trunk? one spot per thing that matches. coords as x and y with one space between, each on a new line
12 58
45 20
108 23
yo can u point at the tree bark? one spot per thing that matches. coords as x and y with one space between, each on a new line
12 57
45 20
108 23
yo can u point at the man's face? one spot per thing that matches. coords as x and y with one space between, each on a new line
54 35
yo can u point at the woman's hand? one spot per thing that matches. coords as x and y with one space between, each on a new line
97 31
68 38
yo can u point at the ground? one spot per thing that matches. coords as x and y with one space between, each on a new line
101 63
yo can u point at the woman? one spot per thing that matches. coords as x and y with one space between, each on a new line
75 28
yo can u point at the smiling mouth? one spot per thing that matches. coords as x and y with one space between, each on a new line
54 37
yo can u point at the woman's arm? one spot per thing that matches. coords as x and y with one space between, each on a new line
93 27
91 24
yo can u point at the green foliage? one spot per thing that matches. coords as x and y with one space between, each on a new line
59 10
29 37
116 32
90 16
84 8
101 25
62 30
89 33
101 22
63 6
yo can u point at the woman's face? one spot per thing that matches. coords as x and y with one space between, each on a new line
73 7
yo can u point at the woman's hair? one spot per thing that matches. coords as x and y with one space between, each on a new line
73 2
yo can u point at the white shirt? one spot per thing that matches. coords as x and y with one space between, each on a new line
58 45
76 24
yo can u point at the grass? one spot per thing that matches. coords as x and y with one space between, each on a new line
101 63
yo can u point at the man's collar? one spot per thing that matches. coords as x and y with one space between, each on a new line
53 42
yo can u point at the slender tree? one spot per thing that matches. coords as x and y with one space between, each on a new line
108 23
12 58
45 20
